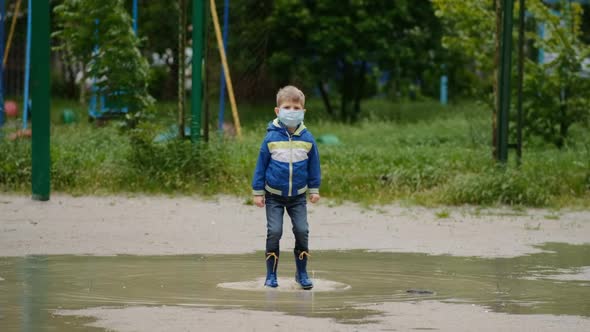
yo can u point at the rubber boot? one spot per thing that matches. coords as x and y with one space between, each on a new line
301 276
272 261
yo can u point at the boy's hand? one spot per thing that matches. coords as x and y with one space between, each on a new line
314 198
259 201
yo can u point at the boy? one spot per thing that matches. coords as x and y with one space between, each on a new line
288 166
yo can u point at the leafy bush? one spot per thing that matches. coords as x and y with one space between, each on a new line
555 95
99 35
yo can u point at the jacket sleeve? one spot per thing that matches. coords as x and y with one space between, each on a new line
259 179
314 178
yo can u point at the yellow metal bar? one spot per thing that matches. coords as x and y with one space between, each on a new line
230 89
11 33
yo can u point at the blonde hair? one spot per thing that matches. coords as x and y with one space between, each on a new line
290 93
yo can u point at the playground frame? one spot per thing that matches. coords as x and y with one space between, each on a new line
40 90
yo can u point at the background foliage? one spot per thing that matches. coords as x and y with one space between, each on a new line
371 72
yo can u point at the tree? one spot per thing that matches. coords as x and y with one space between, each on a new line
341 44
100 36
344 42
470 32
555 93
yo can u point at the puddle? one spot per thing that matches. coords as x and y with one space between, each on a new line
286 285
32 287
576 274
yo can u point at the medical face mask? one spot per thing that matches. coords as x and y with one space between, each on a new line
291 118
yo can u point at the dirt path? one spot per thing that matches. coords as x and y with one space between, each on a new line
163 226
185 225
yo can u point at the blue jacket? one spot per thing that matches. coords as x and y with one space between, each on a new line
288 164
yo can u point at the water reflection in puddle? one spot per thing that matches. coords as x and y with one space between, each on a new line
32 287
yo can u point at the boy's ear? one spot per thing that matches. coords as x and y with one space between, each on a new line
277 111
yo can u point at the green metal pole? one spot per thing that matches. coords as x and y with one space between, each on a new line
41 163
181 66
504 79
197 69
206 74
519 123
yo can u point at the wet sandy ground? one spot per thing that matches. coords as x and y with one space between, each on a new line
398 316
187 225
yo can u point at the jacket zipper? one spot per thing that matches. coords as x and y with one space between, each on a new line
290 165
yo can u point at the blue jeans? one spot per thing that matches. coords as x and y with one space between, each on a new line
297 209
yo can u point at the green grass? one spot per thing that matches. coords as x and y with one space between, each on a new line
420 153
443 214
